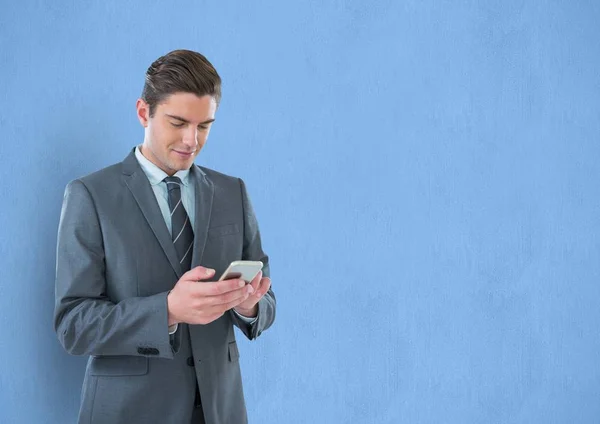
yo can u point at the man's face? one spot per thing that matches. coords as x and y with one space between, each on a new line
178 130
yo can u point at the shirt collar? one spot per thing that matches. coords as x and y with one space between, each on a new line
155 174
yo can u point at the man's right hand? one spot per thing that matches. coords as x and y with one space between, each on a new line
192 302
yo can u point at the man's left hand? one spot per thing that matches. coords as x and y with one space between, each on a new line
249 307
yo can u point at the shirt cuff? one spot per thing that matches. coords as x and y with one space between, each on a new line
173 328
247 320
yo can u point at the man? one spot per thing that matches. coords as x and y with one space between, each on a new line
140 246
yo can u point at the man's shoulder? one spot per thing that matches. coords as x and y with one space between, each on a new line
103 176
224 185
98 184
218 177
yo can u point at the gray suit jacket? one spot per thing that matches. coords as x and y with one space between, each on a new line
115 265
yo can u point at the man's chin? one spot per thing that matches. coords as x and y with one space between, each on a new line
183 165
182 161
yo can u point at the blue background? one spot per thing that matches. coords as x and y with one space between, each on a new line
425 175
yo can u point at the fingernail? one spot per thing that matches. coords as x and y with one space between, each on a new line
242 283
209 271
250 289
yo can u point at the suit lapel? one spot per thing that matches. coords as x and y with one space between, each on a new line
140 188
204 200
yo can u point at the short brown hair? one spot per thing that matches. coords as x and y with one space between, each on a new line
180 71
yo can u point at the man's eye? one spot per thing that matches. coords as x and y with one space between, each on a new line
203 127
177 125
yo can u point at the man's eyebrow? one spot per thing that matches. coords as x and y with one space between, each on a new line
179 118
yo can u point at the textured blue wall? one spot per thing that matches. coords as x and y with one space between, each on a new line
425 174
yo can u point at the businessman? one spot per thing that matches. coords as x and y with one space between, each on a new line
141 245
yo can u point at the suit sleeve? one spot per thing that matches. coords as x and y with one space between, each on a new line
252 250
86 321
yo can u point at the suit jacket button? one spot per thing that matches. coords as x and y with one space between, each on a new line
190 361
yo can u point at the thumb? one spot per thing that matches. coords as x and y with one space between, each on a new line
199 273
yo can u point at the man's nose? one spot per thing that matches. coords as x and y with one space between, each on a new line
190 138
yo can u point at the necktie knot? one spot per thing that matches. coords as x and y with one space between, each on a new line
173 183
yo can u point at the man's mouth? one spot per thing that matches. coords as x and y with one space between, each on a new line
184 154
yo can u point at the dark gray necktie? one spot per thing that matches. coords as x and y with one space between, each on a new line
181 227
183 239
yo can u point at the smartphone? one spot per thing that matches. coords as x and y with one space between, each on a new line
245 270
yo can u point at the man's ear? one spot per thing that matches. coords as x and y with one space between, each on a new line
143 112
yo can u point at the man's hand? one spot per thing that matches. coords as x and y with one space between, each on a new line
201 303
260 286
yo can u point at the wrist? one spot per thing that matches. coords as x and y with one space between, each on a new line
171 318
248 313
